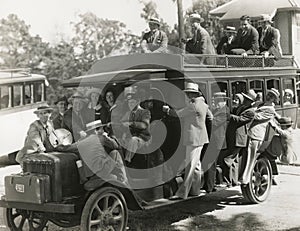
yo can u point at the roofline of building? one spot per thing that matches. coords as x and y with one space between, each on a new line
292 8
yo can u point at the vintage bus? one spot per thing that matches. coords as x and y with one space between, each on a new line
20 94
162 76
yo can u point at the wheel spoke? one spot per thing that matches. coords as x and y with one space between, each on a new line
22 223
105 204
97 208
95 222
114 205
118 218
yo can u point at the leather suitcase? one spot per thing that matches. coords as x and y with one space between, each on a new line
62 169
28 187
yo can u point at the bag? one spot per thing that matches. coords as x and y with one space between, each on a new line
27 187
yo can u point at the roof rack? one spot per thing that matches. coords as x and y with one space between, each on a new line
14 71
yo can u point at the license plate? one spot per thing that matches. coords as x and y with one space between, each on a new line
20 188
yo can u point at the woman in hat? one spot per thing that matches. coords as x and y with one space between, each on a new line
288 97
155 40
37 140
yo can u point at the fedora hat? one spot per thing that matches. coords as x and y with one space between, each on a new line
274 92
251 95
265 18
192 87
154 20
220 95
230 29
92 90
93 125
285 121
42 109
196 17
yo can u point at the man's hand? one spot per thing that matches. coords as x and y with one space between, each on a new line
244 55
82 134
266 54
166 108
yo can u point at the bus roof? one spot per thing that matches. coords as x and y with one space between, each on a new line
137 67
10 76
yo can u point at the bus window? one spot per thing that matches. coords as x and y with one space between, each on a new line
288 87
27 95
273 83
203 88
38 92
218 87
258 87
17 89
4 97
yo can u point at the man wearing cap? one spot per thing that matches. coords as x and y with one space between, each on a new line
194 137
37 140
75 118
269 43
201 42
236 137
138 122
246 42
155 40
57 117
224 46
257 131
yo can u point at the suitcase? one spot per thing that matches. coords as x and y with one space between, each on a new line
62 169
28 187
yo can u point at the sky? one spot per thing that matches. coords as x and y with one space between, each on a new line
51 19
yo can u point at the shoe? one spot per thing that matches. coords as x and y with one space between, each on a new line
175 197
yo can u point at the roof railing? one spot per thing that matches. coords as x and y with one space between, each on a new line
236 61
12 72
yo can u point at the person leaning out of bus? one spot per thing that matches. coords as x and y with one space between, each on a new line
58 115
225 44
281 145
257 131
37 140
288 97
269 38
155 40
246 42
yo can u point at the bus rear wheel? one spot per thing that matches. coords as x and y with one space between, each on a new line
258 189
21 220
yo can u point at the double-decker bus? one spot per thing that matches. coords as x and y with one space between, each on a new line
20 94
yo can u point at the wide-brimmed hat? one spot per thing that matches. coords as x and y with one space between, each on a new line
61 99
92 90
196 17
220 95
289 91
42 109
274 92
230 29
240 97
154 20
94 125
191 87
265 18
251 95
285 121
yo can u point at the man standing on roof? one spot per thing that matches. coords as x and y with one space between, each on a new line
155 40
246 42
269 38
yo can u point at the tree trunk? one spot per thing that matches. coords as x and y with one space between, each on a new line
180 23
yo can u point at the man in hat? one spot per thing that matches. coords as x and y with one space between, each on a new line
201 42
257 131
137 119
194 137
236 138
224 46
76 118
37 140
155 40
57 117
288 97
100 158
269 43
246 42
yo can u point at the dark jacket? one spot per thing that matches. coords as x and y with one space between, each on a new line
270 42
247 41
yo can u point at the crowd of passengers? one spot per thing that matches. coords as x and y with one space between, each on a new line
215 139
247 40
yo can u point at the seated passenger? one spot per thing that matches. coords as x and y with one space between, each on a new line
37 140
138 121
155 40
57 117
225 44
269 43
288 97
99 153
246 42
96 105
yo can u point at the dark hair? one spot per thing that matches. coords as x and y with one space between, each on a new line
245 17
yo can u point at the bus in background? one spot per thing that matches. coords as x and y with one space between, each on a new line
20 94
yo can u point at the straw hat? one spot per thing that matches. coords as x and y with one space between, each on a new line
93 125
92 90
274 92
154 20
250 95
230 29
265 18
196 17
220 95
42 109
285 121
192 87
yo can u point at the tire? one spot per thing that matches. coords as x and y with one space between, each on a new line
106 209
21 220
258 189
